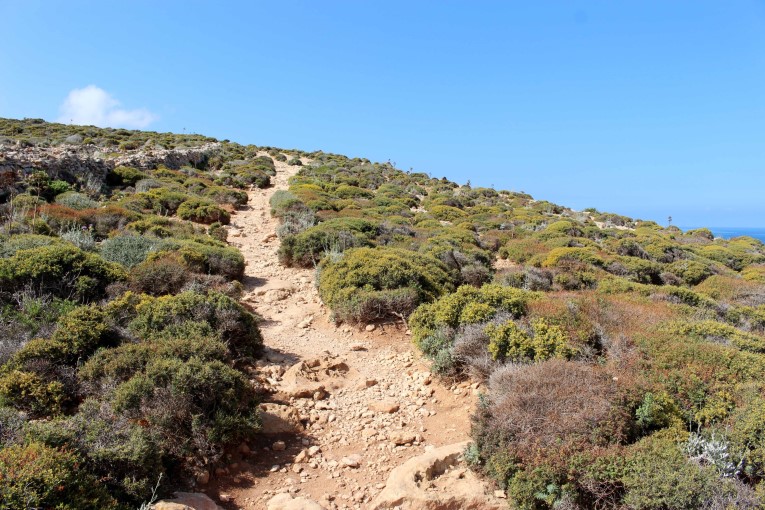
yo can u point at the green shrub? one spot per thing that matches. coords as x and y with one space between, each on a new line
9 245
691 272
718 332
203 211
36 476
31 393
391 277
209 403
657 411
63 270
128 251
508 341
307 248
211 257
57 187
658 476
80 237
235 325
144 185
461 308
75 200
163 200
160 275
124 176
121 453
223 195
346 191
559 255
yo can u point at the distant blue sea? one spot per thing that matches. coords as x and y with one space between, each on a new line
729 232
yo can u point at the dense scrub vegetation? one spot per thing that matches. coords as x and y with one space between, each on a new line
623 360
123 347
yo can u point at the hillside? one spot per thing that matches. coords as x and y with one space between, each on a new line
170 301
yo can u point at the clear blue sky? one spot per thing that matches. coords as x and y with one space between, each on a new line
646 108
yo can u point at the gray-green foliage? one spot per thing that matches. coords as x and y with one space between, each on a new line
127 250
75 200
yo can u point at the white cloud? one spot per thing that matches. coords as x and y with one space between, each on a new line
93 105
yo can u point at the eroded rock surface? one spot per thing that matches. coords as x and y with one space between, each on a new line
435 480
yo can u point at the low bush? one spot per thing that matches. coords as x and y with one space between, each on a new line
235 325
9 245
124 176
307 248
121 453
128 251
395 280
162 275
62 270
208 257
551 407
282 201
203 211
31 393
75 200
207 402
37 476
80 237
509 341
468 305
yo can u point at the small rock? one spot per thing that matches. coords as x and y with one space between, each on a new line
203 477
352 461
279 446
499 494
225 498
370 327
402 437
312 451
384 407
358 347
244 449
300 457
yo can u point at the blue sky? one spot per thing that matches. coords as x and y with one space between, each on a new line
645 108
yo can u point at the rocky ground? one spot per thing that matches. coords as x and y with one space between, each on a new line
344 406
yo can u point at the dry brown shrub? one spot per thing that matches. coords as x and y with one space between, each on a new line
555 403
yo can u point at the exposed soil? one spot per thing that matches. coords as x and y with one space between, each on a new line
365 390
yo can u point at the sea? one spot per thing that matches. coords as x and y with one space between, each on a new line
730 232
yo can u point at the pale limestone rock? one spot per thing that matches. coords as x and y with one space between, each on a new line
420 484
286 501
187 501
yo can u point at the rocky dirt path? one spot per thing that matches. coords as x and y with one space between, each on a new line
344 405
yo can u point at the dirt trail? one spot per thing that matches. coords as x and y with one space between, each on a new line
363 391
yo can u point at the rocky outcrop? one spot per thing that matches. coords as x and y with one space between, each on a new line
315 377
435 481
81 162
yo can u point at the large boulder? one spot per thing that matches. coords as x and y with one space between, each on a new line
436 481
